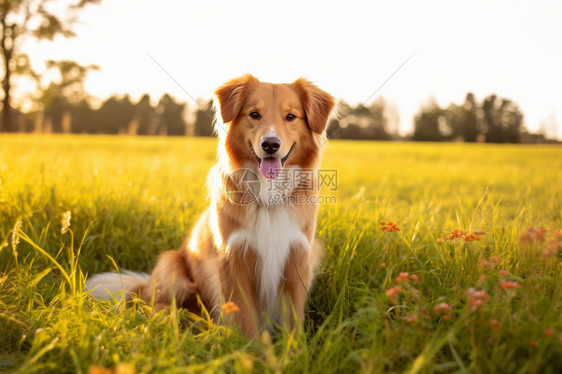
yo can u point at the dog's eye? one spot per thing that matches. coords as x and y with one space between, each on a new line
291 117
255 115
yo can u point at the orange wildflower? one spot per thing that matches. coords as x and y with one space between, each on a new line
476 299
485 264
471 237
509 284
455 235
389 226
230 308
412 318
414 277
402 277
549 332
458 234
532 234
393 293
496 260
442 308
558 234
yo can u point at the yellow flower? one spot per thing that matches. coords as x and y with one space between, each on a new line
65 222
15 236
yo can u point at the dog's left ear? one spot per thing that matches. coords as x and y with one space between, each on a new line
317 104
231 96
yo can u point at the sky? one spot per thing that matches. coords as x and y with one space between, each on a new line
404 51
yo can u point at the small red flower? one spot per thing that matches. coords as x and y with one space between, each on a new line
442 308
393 292
402 277
389 226
485 264
532 234
455 235
549 332
412 318
459 234
476 299
471 237
414 277
508 285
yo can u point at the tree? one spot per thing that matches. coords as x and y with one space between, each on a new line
145 116
430 123
170 113
115 115
204 120
462 120
22 19
84 118
503 120
362 122
470 128
58 98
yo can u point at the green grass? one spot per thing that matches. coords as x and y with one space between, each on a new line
132 198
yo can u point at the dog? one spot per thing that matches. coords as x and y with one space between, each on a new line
255 245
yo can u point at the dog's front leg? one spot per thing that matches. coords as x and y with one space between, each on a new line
298 275
239 287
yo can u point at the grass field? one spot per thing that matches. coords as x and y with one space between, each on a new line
414 300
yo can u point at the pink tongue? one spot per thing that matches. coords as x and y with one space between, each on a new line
270 167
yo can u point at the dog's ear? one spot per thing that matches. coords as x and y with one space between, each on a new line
231 96
317 104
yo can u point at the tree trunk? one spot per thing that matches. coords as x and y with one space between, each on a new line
7 45
7 109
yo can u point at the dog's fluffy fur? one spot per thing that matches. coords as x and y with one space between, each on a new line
261 254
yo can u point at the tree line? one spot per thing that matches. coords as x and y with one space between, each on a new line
494 120
65 108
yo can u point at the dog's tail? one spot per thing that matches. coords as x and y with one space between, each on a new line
106 286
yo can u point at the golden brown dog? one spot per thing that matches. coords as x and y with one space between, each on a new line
255 245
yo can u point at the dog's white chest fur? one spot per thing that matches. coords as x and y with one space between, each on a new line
270 232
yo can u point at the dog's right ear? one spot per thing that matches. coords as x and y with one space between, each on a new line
231 96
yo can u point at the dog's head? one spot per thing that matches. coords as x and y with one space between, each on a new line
272 126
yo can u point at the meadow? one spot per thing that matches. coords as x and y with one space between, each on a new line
440 258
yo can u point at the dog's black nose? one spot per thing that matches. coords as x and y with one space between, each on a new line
271 144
